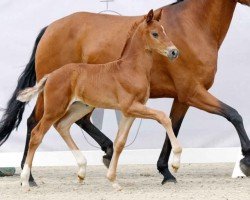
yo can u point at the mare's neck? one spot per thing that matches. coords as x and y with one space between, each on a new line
214 16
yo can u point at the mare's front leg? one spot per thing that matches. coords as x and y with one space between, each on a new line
205 101
105 143
177 115
120 141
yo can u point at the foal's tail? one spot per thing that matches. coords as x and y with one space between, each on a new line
13 113
27 94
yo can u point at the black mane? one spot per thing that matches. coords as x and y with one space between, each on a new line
178 1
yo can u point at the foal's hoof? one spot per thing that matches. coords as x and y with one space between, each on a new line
116 186
168 177
245 165
80 179
175 168
25 187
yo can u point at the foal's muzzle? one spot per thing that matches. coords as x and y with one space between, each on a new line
172 53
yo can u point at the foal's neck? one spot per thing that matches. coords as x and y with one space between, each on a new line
137 54
216 14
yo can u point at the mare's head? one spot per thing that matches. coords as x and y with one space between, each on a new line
156 38
245 2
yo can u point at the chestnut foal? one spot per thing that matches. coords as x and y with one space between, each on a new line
74 90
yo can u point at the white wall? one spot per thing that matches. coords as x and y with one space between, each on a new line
20 22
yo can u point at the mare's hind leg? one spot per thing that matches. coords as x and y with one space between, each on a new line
120 141
105 143
75 112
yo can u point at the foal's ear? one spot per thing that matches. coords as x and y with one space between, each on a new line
150 16
157 15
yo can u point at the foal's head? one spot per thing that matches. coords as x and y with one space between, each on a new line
156 37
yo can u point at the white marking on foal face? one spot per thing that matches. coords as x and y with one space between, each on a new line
163 30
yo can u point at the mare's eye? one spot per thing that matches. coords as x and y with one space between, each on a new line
155 35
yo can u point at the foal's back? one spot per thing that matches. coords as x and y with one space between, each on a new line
85 82
98 85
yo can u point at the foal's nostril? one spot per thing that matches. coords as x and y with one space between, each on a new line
174 53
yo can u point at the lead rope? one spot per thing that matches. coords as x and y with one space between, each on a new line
97 147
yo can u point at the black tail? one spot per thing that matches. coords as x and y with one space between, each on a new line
13 113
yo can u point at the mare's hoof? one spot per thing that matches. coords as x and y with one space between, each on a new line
245 165
168 177
107 158
169 180
106 161
32 183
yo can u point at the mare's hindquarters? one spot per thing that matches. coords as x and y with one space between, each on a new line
14 111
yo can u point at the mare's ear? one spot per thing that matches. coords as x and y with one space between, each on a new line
150 16
157 15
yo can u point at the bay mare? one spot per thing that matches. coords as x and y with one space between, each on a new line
197 28
74 90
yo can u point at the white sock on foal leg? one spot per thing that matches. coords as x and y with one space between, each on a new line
176 160
25 177
81 162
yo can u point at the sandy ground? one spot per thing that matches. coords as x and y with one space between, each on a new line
140 182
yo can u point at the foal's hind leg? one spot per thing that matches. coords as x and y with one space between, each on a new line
120 141
75 112
37 135
32 121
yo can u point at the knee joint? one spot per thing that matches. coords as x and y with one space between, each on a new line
163 118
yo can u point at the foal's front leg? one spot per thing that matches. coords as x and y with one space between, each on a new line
120 141
141 111
177 115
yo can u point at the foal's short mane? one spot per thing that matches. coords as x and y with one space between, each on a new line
130 34
133 28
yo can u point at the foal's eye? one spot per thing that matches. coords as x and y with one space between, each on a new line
155 35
